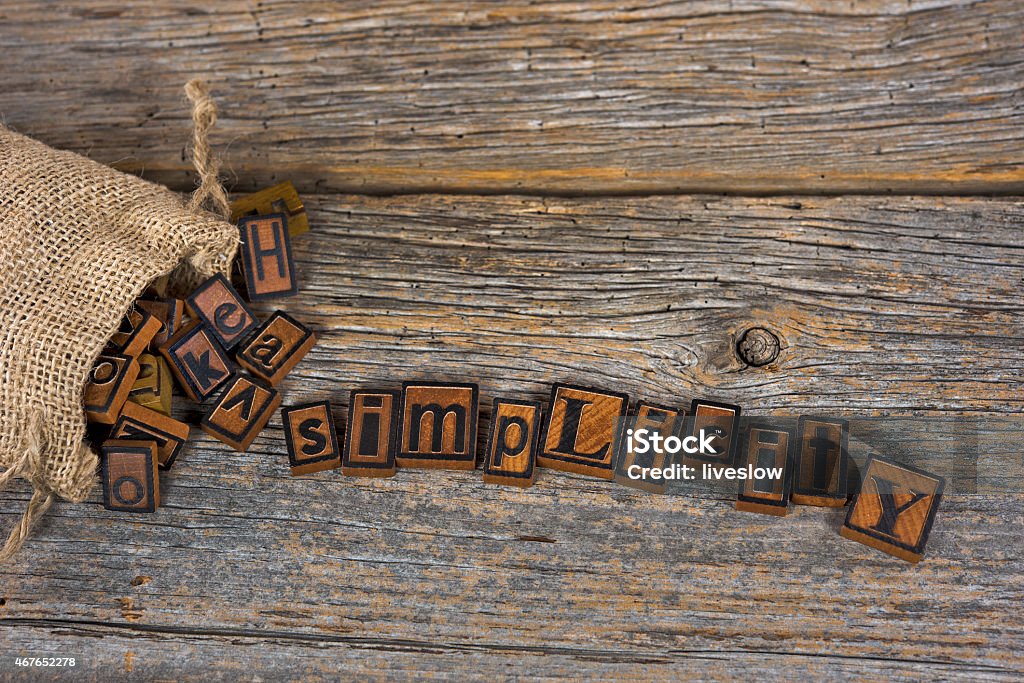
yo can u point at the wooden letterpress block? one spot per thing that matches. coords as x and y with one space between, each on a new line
511 454
267 257
153 386
438 425
281 198
140 423
310 437
169 311
221 309
371 444
720 420
767 454
241 412
665 422
197 361
130 481
110 383
136 332
895 508
822 461
276 348
582 429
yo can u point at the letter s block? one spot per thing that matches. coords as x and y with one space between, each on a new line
267 257
895 509
511 454
311 439
129 473
582 429
221 309
438 426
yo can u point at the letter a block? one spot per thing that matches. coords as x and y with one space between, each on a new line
895 509
130 481
582 429
241 412
310 437
267 257
198 361
371 444
655 419
109 386
276 348
822 462
221 309
438 426
511 454
767 451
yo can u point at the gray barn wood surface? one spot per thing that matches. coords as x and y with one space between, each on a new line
883 304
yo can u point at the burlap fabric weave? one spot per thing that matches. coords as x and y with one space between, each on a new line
79 243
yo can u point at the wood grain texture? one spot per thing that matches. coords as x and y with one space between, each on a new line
607 97
894 305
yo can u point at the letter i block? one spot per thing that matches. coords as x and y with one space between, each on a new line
512 445
895 509
311 439
371 444
142 424
221 309
130 481
438 426
655 419
276 348
267 257
822 462
110 383
241 412
767 452
720 420
137 330
198 362
281 198
582 429
169 312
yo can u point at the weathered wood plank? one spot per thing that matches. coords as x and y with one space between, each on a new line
768 96
898 305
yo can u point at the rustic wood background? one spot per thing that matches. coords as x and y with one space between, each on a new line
604 193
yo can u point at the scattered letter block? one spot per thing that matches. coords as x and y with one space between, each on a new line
310 437
130 481
153 386
281 198
143 424
895 509
198 362
276 348
582 429
136 332
169 312
267 257
511 454
655 419
110 383
822 461
241 412
767 452
221 309
721 420
371 444
438 426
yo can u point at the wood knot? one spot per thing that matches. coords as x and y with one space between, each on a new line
758 347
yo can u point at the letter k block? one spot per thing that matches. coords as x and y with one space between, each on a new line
197 361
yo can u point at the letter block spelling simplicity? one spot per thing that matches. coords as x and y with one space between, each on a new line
582 429
822 462
281 198
311 439
666 422
276 348
198 361
142 424
110 383
511 454
371 444
895 509
267 257
221 309
720 419
241 412
438 426
128 471
767 448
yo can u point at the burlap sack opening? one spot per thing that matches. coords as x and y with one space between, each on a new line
79 243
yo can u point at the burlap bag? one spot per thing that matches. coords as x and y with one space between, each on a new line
79 242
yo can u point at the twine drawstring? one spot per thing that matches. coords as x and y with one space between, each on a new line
210 194
26 467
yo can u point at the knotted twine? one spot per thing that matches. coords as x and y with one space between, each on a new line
79 243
